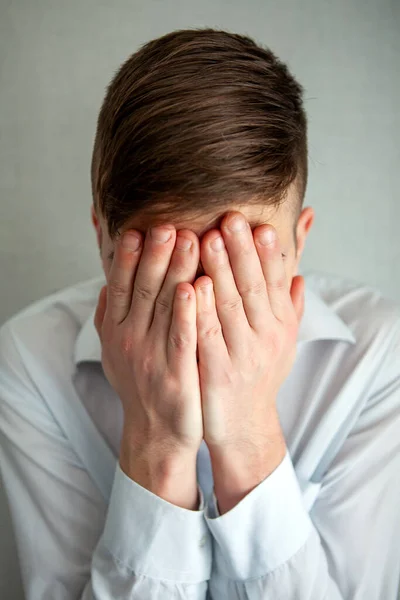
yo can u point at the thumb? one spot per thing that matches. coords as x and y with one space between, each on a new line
100 310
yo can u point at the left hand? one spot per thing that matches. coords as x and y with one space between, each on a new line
247 325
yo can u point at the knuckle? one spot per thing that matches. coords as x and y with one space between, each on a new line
232 304
143 292
209 332
126 343
118 289
147 364
279 283
255 289
162 305
179 341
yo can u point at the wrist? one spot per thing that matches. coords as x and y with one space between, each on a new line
171 475
237 470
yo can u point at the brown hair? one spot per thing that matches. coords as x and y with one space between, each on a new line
196 121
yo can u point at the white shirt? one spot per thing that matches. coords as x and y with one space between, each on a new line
325 525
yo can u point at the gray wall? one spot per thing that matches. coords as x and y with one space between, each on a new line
57 57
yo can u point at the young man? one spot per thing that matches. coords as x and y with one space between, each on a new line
239 440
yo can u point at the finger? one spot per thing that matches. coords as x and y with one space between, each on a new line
100 311
183 265
182 337
246 269
122 274
269 252
210 340
151 272
229 304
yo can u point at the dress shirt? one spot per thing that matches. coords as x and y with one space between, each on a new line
324 525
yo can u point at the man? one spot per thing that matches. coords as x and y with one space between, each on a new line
208 423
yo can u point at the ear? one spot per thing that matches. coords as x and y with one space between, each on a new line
303 227
97 226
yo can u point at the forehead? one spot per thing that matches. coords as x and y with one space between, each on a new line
281 217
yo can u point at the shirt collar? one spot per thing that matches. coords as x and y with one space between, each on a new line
87 345
319 322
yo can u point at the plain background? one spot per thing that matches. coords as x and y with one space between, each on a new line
56 59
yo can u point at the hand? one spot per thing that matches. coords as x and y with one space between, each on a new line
148 337
247 323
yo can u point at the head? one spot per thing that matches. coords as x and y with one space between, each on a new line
196 124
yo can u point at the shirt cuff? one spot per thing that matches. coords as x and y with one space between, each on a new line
153 537
264 530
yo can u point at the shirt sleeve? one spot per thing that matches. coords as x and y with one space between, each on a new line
268 546
71 545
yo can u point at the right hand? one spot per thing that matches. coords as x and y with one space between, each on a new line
149 342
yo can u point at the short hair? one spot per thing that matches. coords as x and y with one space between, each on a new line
196 121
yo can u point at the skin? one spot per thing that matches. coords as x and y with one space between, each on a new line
243 333
281 219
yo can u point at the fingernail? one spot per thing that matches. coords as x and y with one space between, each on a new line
267 236
130 241
160 234
236 224
183 243
217 244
